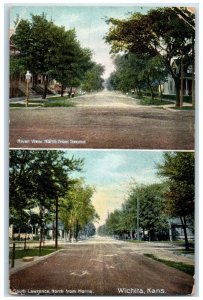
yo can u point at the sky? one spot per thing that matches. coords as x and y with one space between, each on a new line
88 21
112 171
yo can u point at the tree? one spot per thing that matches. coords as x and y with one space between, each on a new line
51 51
37 46
178 171
113 223
20 180
75 209
187 14
153 73
147 203
65 56
128 68
92 79
70 61
38 179
143 209
160 32
138 72
112 81
88 230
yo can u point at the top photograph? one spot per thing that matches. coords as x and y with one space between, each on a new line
102 77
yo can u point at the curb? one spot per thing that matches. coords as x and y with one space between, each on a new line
11 272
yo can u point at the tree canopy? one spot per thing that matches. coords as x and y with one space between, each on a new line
136 73
37 178
160 32
144 206
93 80
178 171
76 209
51 51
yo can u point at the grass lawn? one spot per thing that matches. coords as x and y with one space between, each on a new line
182 251
183 108
40 101
189 269
155 101
31 252
48 102
23 105
61 103
135 241
182 243
58 98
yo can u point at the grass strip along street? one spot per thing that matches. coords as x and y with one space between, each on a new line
189 269
49 102
31 252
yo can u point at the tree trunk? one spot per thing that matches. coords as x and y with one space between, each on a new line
56 220
150 87
71 234
70 92
177 88
45 81
25 241
140 92
76 230
40 240
152 234
34 79
152 94
62 91
184 223
19 234
181 82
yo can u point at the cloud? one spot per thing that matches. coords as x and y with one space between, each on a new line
121 167
73 18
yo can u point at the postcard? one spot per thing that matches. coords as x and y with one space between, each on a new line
102 150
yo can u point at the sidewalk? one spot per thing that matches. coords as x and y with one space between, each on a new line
165 251
20 264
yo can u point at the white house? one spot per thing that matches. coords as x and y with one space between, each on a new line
168 87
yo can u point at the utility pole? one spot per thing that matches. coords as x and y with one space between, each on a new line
138 213
181 80
56 225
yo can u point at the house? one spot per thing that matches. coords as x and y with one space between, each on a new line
176 231
168 88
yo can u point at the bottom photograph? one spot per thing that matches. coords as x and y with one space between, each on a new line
101 223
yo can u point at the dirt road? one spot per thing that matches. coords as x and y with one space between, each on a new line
105 120
101 267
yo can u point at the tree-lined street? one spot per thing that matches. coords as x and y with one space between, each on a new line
102 267
102 120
